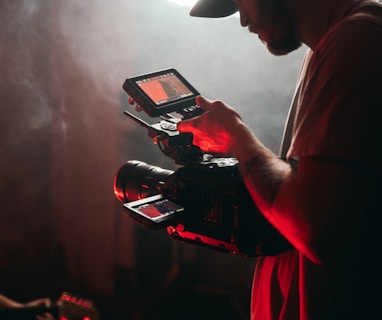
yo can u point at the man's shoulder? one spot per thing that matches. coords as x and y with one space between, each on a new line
361 30
368 11
361 27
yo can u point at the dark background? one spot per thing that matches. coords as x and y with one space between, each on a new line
63 136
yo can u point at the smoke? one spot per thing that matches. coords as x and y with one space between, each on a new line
109 42
221 59
25 65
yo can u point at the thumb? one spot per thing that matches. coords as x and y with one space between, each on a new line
203 103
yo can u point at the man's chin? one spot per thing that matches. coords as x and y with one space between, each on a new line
282 49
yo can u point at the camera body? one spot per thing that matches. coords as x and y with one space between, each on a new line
204 202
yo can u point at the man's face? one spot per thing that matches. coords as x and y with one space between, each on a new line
271 20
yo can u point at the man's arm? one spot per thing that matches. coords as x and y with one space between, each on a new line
315 204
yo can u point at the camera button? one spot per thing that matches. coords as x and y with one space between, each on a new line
168 126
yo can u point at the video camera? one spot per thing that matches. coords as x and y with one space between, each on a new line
205 201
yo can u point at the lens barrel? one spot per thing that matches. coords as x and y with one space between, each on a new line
137 180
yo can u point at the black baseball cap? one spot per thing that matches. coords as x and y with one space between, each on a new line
213 8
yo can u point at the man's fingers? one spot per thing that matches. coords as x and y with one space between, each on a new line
185 126
203 103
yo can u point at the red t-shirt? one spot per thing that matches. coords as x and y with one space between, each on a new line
338 114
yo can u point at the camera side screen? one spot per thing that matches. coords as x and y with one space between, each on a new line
154 212
161 92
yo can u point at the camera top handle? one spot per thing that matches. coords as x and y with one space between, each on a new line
178 146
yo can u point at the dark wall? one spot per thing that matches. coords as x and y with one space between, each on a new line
25 130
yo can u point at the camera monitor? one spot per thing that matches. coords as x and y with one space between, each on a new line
161 92
154 212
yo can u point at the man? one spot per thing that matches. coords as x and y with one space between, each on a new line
322 193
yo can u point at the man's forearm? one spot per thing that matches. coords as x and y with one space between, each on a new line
261 170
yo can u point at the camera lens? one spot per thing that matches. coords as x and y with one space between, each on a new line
137 180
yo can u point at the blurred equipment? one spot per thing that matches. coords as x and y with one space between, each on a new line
67 307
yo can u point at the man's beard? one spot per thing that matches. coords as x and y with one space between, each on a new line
283 47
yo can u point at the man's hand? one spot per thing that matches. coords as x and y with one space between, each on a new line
214 129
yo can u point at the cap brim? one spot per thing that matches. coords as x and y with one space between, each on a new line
213 8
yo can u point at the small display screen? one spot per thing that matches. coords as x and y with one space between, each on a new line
158 209
164 88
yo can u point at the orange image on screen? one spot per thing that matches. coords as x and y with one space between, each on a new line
162 89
